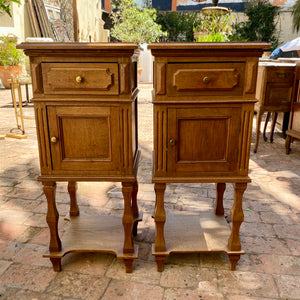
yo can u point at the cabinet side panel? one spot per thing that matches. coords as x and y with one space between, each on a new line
126 134
160 135
251 75
245 143
42 136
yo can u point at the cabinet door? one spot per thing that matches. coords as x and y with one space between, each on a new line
84 138
203 140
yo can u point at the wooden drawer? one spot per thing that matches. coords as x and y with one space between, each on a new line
205 79
282 75
80 78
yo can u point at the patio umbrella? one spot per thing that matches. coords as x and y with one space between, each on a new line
293 45
289 49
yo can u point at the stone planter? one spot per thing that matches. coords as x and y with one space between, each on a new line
6 72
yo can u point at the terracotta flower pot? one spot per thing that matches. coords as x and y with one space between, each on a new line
139 73
7 71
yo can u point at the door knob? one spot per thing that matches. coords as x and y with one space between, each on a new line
79 79
172 142
206 79
54 140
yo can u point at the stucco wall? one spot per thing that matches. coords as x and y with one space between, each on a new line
18 24
90 22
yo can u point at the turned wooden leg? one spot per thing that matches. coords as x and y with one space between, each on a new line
233 259
220 189
127 220
128 265
274 119
52 216
72 188
287 144
258 121
160 219
265 127
237 216
160 260
56 263
135 209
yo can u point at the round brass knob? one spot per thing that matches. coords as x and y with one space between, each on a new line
53 140
79 79
206 79
172 142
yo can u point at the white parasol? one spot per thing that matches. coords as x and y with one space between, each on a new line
293 45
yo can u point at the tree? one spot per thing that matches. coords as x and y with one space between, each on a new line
5 6
134 24
296 16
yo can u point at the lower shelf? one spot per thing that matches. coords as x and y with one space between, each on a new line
103 234
191 232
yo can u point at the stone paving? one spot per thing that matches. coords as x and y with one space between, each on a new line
270 234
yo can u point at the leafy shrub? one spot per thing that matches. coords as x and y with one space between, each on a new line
261 23
178 25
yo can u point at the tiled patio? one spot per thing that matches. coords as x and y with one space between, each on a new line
270 234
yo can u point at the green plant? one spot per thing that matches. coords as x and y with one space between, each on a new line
261 23
178 25
5 6
296 16
214 28
213 37
9 55
134 24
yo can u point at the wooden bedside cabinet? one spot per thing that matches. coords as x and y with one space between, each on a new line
294 124
85 101
274 93
204 95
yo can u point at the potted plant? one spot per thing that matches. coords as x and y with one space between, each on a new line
10 59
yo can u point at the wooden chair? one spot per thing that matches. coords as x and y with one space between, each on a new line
294 124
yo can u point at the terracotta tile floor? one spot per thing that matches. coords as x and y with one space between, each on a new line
270 234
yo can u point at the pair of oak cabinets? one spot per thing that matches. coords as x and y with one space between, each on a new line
85 101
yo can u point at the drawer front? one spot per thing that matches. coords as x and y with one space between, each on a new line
203 140
281 74
205 79
80 78
84 138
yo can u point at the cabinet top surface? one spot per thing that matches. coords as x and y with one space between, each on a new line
276 64
204 46
77 46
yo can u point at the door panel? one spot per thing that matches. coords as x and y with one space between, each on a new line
203 139
84 137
